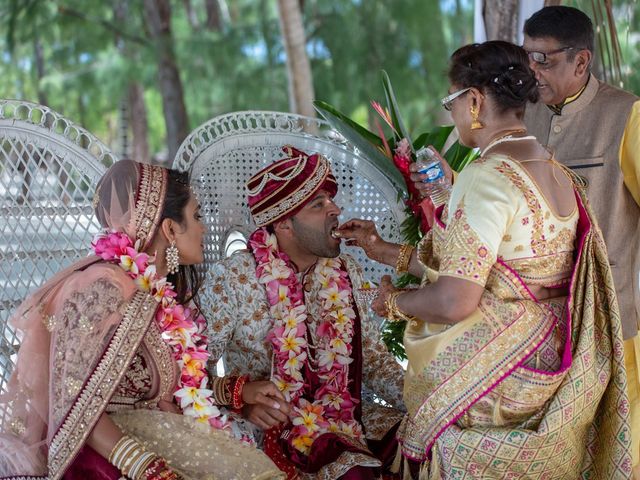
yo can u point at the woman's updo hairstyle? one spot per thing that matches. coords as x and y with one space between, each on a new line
499 69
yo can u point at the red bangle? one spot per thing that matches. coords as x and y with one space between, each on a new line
159 470
236 400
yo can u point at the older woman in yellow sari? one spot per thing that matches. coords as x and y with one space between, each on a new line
514 340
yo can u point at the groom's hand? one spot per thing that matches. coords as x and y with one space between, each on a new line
265 393
263 416
265 405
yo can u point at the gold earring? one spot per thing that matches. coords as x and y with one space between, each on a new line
171 255
475 123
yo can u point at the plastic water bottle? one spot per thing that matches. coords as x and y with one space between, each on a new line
429 164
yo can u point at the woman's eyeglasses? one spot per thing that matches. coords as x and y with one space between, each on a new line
448 100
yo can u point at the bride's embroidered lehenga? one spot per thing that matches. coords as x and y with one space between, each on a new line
523 388
91 346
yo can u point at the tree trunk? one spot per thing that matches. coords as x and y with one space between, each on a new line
501 19
191 14
214 17
157 15
39 58
135 112
138 122
298 67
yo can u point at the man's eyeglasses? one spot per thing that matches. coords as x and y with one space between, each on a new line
448 100
541 57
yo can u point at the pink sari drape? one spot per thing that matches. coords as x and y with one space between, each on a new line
79 333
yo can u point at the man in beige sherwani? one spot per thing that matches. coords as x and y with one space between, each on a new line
594 129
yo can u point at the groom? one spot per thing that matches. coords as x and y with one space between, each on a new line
285 310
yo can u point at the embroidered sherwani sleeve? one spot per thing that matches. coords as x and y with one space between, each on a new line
630 153
221 311
381 373
480 210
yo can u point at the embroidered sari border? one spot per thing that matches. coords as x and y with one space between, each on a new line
95 394
162 356
415 449
22 477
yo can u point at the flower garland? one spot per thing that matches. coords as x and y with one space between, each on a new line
332 408
182 327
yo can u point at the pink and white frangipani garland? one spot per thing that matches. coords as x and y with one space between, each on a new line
182 327
332 408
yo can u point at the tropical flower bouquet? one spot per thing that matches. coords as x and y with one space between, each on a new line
392 155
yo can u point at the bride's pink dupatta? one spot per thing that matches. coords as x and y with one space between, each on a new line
78 334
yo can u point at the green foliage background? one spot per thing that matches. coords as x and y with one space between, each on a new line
239 66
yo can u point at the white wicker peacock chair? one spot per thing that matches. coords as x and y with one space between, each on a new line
224 152
48 170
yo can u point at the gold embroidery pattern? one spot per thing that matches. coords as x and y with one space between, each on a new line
17 426
306 188
50 322
464 254
134 385
540 245
345 462
545 270
77 315
93 399
167 367
458 392
150 202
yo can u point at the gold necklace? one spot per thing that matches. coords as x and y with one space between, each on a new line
507 136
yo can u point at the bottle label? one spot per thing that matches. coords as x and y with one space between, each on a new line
433 171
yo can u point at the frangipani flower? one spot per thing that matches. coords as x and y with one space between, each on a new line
288 338
338 346
201 412
287 388
334 297
295 316
145 281
181 327
275 270
292 343
302 443
191 395
111 246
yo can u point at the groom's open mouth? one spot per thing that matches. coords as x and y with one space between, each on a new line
334 234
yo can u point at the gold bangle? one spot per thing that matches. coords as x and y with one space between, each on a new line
404 258
394 314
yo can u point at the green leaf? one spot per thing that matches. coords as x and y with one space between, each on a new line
361 141
322 107
458 156
438 137
421 141
392 105
392 334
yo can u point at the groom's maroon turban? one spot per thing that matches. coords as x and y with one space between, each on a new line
280 190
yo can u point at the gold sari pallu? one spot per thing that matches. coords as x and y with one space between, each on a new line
478 409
